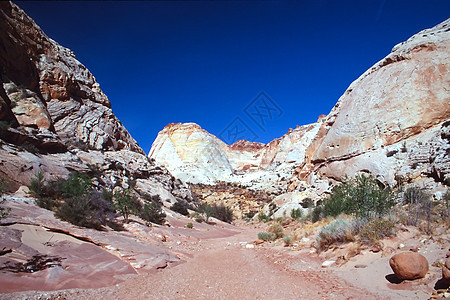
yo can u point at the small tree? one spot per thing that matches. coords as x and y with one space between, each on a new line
153 212
125 202
296 214
360 196
37 185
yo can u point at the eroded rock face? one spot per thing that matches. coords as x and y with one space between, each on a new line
409 265
56 119
48 89
397 112
194 155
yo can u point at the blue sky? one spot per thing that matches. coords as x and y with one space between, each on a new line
207 62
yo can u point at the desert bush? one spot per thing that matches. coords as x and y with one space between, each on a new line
317 213
262 217
277 230
37 184
181 207
296 214
249 215
197 217
360 196
77 211
152 212
307 203
223 213
76 186
373 231
220 212
287 241
265 236
190 225
102 209
107 195
4 212
339 231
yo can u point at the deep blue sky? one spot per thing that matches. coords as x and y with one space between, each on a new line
204 62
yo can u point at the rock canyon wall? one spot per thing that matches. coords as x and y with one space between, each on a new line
56 119
392 122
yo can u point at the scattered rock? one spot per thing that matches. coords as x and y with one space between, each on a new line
360 266
258 242
409 265
328 263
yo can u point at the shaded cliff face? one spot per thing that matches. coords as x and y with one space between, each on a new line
393 122
47 91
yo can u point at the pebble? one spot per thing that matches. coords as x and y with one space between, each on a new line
360 266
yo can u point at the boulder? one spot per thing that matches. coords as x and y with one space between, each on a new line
446 270
409 265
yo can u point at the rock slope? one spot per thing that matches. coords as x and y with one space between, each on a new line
393 122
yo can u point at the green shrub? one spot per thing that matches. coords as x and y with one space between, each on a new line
77 211
262 217
265 236
317 213
37 185
339 231
152 212
181 207
76 186
190 225
250 215
89 210
4 212
360 196
220 212
287 240
296 214
307 203
277 230
47 203
198 217
107 195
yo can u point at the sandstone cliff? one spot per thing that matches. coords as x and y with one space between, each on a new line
56 119
393 122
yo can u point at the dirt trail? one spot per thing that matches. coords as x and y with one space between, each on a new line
224 268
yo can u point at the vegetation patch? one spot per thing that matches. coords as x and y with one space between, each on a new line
266 236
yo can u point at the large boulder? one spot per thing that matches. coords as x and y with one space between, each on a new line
409 265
